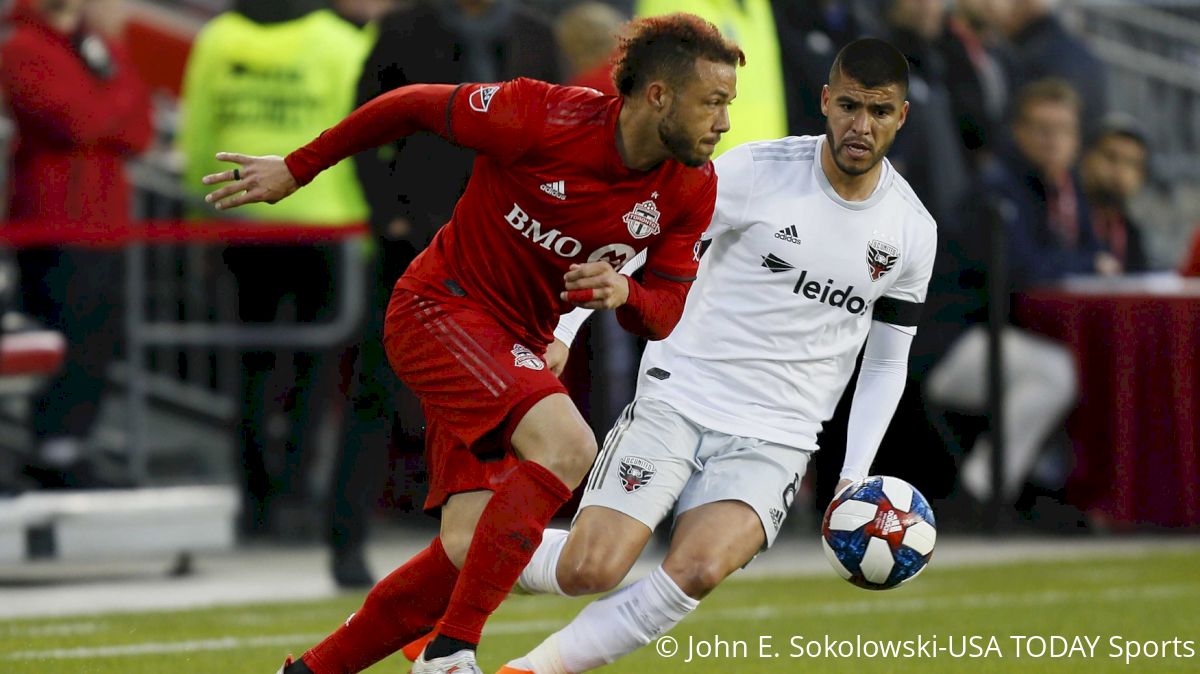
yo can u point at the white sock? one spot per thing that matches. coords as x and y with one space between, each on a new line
614 626
541 573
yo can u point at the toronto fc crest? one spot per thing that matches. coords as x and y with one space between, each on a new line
881 257
642 220
635 473
523 357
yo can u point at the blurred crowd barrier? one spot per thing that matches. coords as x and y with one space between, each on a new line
174 406
182 332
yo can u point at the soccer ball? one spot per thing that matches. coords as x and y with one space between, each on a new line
879 533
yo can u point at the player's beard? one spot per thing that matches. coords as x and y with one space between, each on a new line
678 142
835 147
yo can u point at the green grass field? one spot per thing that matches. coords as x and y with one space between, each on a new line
1150 598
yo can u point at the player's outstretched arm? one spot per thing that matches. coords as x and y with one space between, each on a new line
255 180
881 381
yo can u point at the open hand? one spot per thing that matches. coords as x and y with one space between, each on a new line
595 285
255 180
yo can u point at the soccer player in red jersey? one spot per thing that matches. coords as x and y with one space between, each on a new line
568 185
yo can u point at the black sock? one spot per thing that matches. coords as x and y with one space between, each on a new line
441 646
297 667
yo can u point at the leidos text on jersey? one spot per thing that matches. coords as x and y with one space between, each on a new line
841 298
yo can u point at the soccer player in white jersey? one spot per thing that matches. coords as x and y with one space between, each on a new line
817 245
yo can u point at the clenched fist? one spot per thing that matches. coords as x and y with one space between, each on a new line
595 285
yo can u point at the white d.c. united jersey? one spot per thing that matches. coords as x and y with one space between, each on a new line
786 293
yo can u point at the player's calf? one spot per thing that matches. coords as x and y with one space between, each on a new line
603 546
712 541
460 517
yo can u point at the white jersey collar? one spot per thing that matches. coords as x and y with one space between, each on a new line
881 187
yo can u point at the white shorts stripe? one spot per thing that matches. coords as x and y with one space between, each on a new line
611 441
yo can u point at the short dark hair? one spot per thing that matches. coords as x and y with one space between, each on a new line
667 47
872 63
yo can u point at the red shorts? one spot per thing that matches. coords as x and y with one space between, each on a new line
475 380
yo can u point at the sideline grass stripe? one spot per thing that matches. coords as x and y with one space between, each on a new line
161 647
1172 592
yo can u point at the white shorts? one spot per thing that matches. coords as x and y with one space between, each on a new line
655 458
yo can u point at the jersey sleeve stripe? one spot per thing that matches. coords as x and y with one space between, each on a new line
897 312
449 116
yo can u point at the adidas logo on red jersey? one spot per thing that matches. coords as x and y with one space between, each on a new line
556 189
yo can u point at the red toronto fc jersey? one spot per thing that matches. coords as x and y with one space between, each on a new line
550 190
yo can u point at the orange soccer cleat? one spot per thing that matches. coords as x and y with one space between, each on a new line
518 666
413 650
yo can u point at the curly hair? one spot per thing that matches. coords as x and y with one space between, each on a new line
667 47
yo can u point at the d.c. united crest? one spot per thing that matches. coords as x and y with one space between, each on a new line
642 220
881 257
635 473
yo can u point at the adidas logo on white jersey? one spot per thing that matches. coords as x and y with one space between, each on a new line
556 189
788 233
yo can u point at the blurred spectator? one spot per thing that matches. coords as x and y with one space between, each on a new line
266 76
760 110
975 76
810 34
930 153
587 35
1037 201
80 111
1113 171
1049 235
363 13
1044 47
412 187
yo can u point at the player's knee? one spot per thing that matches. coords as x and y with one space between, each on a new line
572 455
696 576
590 574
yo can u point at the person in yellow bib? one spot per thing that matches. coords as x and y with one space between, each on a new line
265 77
